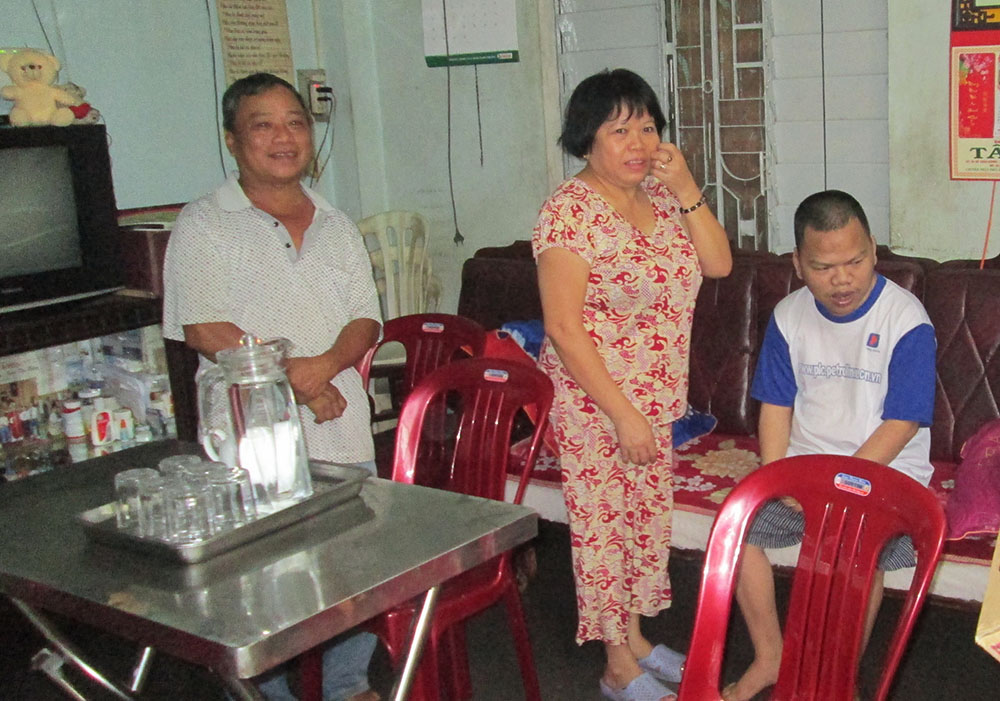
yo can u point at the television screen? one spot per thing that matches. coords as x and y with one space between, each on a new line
58 218
38 227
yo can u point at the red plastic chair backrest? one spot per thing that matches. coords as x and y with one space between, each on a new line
430 340
852 507
477 428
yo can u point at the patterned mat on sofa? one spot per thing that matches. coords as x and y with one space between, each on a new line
707 468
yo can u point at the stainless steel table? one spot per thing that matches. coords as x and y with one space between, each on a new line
248 610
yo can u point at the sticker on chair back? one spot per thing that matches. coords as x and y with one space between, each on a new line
852 484
432 327
491 375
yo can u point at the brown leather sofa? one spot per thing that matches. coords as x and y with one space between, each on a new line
500 285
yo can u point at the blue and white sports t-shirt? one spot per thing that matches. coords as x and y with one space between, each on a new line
844 375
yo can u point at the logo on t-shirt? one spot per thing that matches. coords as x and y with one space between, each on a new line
873 339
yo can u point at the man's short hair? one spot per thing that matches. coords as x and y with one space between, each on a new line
253 84
599 98
827 211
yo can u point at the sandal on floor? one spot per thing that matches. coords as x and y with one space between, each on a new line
642 688
665 664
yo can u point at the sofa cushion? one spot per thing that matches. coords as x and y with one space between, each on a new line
498 290
962 305
974 504
724 339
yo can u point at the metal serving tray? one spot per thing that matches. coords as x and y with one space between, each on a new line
333 484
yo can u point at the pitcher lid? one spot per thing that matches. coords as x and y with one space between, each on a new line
254 359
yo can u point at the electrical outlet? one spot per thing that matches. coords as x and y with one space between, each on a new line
317 94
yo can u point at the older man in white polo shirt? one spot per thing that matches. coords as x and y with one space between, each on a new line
265 255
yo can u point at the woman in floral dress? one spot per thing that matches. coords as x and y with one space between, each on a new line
621 250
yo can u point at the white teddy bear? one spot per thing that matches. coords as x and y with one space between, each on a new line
37 100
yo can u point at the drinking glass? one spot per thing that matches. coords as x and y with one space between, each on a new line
173 464
152 507
231 495
188 511
127 483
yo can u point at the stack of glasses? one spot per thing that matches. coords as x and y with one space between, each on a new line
185 501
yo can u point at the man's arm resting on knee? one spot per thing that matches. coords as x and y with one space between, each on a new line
885 442
774 427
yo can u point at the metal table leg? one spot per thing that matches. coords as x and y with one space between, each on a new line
67 652
402 688
242 689
141 670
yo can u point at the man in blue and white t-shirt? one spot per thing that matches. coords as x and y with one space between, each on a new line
846 367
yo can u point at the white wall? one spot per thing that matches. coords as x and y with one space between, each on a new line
931 215
404 139
828 108
148 67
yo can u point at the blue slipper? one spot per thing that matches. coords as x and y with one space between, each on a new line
642 688
663 663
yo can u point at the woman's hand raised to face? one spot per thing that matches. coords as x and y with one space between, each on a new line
670 168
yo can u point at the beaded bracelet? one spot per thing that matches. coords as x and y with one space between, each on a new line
688 210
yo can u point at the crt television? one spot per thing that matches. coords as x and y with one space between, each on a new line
58 217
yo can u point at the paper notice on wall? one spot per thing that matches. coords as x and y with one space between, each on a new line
463 32
974 109
255 38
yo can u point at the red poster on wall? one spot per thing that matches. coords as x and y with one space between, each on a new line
975 90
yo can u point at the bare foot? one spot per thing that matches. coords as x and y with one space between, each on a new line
757 678
369 695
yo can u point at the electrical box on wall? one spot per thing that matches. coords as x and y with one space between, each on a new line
317 94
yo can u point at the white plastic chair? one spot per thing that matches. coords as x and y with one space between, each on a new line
397 246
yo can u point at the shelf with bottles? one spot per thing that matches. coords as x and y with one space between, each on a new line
75 401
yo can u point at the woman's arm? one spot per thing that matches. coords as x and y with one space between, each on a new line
709 238
562 282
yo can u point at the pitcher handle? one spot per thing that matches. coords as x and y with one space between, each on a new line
205 381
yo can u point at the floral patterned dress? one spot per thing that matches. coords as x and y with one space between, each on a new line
638 310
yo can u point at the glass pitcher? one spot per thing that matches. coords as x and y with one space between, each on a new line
247 417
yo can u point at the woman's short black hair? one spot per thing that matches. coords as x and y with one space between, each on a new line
600 98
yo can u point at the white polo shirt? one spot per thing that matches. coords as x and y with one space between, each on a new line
227 260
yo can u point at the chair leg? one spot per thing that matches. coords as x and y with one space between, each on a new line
454 654
311 674
522 643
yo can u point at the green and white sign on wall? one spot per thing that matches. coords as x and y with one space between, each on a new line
466 32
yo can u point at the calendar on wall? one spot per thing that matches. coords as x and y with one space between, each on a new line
974 109
464 32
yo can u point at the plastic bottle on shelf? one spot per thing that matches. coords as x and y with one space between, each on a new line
55 421
101 424
87 397
73 420
124 425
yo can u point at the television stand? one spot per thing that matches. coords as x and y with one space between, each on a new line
52 325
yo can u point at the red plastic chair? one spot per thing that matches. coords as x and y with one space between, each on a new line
430 341
852 507
462 446
490 393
